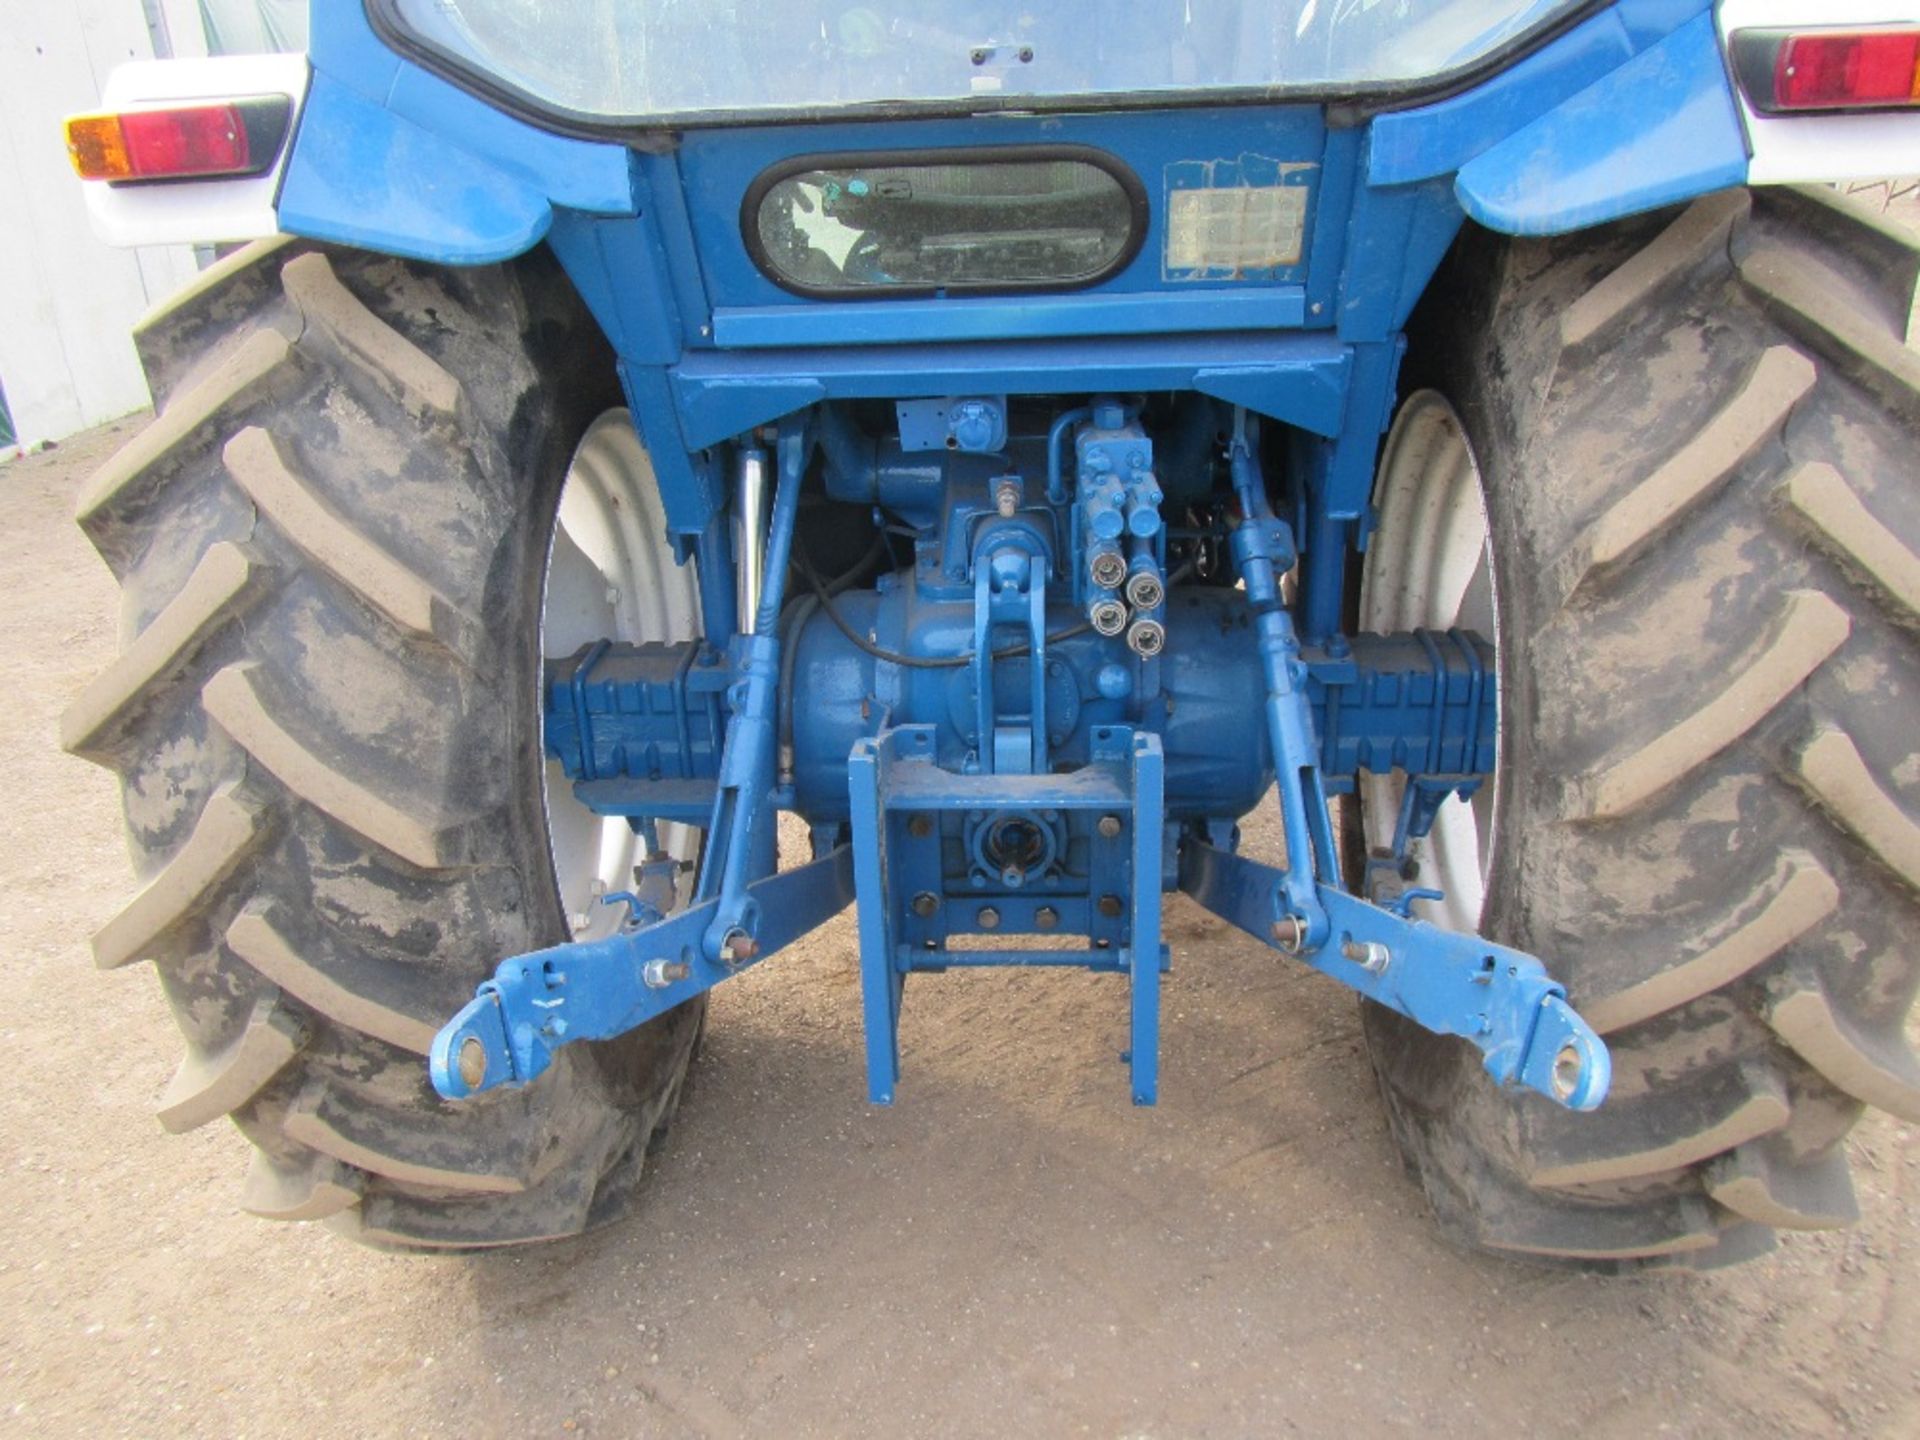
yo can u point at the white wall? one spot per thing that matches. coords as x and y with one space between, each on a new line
67 302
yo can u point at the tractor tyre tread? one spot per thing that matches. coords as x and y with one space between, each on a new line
1693 430
330 543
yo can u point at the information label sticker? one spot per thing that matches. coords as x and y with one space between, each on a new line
1252 228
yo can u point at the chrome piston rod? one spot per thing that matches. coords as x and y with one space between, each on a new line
750 532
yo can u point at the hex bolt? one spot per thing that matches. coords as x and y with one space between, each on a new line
1109 827
1369 955
1111 906
988 918
1146 638
1046 917
920 826
473 1062
737 947
658 974
925 904
1006 498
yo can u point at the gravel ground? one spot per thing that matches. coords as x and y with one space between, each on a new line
1012 1249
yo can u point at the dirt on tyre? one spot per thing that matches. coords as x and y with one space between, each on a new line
332 543
1694 433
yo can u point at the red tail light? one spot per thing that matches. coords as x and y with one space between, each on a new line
1830 72
1784 71
200 141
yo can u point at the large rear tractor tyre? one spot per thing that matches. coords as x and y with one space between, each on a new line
334 543
1693 434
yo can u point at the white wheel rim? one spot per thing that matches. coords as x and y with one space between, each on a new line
610 575
1429 566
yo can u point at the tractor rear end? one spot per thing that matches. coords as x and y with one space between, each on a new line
1021 450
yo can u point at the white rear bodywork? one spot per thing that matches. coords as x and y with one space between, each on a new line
196 211
1785 149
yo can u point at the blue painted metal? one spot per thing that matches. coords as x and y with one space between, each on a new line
1660 129
916 322
740 831
1116 505
389 157
1423 703
1143 957
1262 551
1501 1000
906 807
1042 775
623 273
638 729
1434 140
1043 789
595 990
362 176
1299 379
1209 683
974 425
1223 141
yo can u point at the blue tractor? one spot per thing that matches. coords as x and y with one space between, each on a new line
1023 444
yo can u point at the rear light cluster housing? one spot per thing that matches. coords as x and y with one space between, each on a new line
204 140
1789 72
